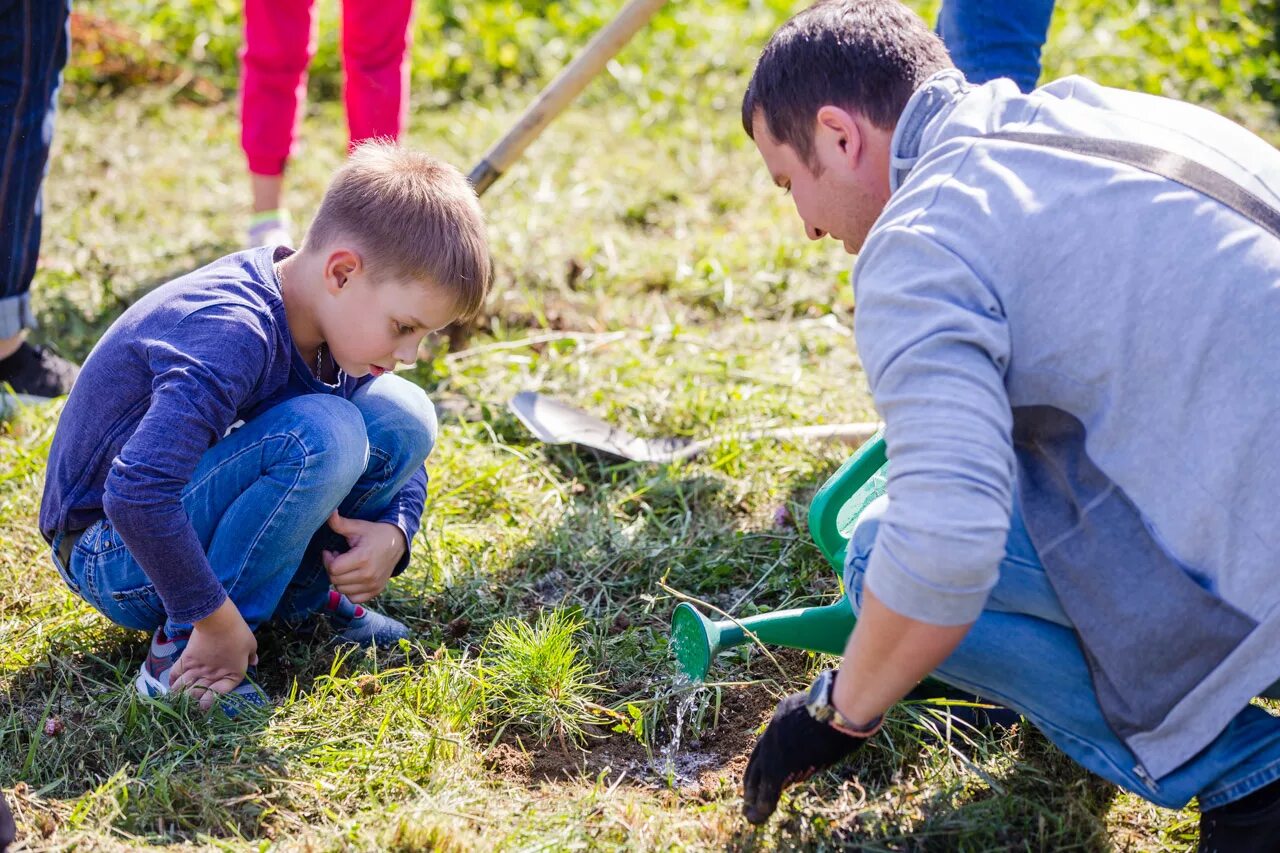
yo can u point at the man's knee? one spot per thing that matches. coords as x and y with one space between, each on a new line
861 540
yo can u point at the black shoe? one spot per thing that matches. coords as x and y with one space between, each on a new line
1248 825
38 372
8 830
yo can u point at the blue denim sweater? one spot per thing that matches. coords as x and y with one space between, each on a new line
165 382
1103 344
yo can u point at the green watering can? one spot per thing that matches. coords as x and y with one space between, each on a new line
832 515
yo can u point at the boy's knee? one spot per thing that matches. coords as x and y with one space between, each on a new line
400 418
333 436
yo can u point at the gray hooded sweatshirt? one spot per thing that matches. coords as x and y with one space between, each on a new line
1103 344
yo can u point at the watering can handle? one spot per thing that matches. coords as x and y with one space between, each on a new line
824 509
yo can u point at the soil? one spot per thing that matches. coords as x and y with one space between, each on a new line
700 769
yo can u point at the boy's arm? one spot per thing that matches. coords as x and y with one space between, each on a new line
405 512
203 370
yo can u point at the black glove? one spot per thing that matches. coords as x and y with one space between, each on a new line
792 748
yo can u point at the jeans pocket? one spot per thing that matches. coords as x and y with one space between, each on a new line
64 571
99 539
138 608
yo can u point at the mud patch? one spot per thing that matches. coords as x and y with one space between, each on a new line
702 767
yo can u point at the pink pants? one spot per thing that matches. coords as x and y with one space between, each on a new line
280 40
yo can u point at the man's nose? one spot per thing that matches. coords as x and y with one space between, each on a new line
814 233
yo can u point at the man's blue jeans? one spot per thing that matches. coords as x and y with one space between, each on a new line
259 499
989 39
1023 652
33 49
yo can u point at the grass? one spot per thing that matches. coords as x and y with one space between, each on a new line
647 271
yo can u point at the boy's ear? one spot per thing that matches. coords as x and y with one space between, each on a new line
340 266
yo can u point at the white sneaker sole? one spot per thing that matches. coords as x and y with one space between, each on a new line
148 685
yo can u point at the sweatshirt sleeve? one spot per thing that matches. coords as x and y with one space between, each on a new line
203 371
935 345
405 512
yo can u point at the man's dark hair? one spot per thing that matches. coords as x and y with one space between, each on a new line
864 55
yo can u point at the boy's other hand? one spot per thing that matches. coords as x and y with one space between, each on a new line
362 573
219 652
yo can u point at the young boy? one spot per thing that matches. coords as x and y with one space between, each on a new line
227 415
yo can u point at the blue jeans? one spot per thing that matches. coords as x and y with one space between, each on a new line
259 506
1023 652
987 39
33 49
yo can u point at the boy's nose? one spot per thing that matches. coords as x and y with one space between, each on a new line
407 355
814 233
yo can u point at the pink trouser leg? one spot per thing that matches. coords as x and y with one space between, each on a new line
375 57
279 41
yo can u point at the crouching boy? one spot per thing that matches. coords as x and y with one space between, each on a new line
228 415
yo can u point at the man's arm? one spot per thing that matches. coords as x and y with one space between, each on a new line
935 346
887 655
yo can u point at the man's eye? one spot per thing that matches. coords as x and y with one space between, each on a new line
402 329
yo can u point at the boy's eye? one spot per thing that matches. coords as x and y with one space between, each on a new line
402 329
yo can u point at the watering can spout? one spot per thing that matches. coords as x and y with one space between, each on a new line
697 639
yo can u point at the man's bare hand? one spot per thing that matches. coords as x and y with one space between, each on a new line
217 656
362 573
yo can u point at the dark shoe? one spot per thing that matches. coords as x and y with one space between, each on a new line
35 371
1248 825
8 830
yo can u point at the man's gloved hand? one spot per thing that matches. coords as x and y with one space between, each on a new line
8 830
792 748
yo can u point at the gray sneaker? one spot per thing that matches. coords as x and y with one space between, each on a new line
153 678
360 625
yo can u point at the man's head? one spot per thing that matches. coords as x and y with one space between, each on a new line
400 241
824 101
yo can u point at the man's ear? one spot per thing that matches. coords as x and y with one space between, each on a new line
339 267
839 131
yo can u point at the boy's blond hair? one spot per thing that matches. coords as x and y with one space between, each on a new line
411 216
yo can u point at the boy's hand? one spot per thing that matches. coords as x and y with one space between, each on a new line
362 573
219 652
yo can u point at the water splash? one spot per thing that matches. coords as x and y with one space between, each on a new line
679 768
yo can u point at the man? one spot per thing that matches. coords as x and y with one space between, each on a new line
33 50
1078 366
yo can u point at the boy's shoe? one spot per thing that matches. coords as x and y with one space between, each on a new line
153 678
355 624
38 372
1248 825
270 228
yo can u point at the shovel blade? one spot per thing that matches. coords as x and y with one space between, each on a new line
554 422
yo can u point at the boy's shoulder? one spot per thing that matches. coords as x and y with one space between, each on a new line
239 289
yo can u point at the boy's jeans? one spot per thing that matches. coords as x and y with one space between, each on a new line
989 39
259 507
1023 652
33 49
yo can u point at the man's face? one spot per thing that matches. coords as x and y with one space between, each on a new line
377 325
843 197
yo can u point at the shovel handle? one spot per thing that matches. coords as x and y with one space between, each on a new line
852 433
563 89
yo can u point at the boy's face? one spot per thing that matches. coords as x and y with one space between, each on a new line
371 326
